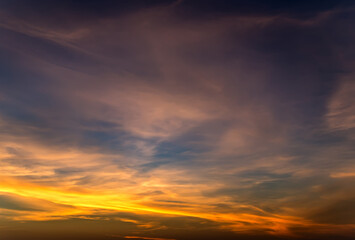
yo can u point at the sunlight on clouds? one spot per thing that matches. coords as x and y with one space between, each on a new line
114 196
149 120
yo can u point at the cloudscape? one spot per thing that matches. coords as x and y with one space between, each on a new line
177 119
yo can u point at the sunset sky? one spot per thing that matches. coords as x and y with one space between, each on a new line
177 119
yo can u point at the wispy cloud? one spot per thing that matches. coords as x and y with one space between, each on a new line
214 123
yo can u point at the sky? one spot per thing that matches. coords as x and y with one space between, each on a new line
177 119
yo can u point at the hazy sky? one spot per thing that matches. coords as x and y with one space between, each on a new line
177 120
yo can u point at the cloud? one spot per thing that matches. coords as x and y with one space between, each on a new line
240 122
341 113
148 238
